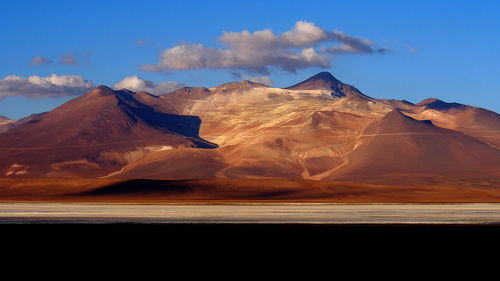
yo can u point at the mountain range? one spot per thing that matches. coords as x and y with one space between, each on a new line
320 129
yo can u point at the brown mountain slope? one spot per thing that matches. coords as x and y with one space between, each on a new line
12 123
244 85
266 132
155 102
269 132
185 163
5 123
398 149
306 147
184 98
93 135
399 104
477 122
433 103
4 119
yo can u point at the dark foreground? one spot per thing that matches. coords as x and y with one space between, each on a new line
345 231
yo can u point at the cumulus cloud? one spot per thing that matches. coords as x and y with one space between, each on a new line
38 87
258 51
136 84
38 60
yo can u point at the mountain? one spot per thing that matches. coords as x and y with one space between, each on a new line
93 135
437 104
183 98
244 85
474 121
5 123
155 102
322 80
3 119
398 148
299 132
319 129
9 124
30 118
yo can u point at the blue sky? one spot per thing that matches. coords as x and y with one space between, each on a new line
443 49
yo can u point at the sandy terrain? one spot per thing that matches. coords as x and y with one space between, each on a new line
251 213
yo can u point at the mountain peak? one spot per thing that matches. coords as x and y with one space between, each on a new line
239 85
243 83
396 122
397 114
437 104
322 80
327 82
324 75
103 88
100 91
428 101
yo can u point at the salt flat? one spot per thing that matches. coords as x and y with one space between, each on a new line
307 213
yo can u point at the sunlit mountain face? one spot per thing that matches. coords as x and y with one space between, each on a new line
319 129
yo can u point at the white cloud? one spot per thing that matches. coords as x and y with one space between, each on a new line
305 34
261 50
38 87
136 84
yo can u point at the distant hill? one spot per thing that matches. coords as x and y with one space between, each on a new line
93 135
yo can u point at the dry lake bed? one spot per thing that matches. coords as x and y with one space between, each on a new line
274 213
